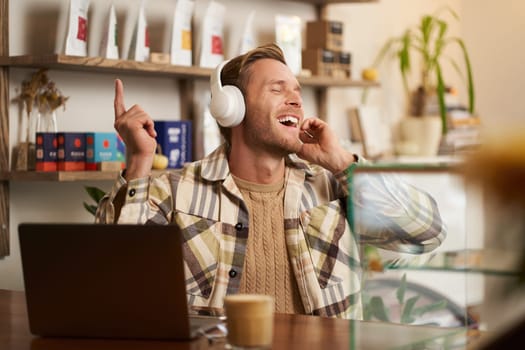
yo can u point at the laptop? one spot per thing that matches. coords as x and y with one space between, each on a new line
107 281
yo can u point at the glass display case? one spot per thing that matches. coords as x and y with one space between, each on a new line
425 236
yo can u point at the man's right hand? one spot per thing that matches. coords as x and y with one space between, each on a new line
135 127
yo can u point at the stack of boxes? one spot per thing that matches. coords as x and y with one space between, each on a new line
78 151
105 151
324 55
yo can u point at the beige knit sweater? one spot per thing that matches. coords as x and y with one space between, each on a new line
267 268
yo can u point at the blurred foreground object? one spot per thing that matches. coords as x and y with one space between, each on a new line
499 168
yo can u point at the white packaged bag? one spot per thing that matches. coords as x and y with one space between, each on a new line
181 44
212 50
77 33
288 37
139 48
109 44
248 35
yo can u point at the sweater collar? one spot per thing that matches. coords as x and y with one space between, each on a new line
214 167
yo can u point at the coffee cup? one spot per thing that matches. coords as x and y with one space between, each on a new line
249 318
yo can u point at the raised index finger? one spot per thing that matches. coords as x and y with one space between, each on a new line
120 108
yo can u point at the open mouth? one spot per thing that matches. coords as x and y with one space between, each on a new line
289 121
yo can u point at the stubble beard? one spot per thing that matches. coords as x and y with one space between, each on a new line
271 140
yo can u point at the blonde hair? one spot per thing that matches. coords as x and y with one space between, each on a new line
237 72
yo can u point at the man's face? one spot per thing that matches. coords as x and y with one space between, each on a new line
273 108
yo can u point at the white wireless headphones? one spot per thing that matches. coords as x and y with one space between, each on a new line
227 102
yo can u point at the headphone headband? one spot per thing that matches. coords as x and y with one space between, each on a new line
227 102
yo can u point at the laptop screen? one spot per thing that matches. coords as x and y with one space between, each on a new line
116 281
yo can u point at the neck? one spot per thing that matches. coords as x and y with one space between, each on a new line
257 167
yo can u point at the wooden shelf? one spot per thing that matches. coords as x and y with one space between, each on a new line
91 64
328 2
99 64
62 176
325 82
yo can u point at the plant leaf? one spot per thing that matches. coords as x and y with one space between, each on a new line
438 305
95 193
404 58
456 67
470 81
400 292
439 43
443 26
404 53
441 99
92 209
367 308
378 309
426 28
406 315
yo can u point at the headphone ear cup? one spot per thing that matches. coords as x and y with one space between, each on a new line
227 102
229 108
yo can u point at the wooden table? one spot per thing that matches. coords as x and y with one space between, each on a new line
291 332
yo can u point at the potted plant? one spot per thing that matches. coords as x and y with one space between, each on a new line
428 40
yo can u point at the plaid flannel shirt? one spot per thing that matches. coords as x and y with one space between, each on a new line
203 199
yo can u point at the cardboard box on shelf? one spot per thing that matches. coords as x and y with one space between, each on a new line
46 151
174 138
324 35
319 61
110 166
100 147
342 65
159 58
71 154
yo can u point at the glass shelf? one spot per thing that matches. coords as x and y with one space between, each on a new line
430 252
485 261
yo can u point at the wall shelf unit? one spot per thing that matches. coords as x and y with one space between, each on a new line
183 74
185 77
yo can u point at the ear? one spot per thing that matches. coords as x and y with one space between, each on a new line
227 102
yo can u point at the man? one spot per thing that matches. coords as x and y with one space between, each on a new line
265 212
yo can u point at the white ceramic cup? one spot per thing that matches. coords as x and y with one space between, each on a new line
249 318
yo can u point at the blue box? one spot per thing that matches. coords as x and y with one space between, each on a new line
100 147
174 138
71 151
46 151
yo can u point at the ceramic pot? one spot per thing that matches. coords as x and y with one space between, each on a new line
421 135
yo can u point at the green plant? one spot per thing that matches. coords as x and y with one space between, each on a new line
429 39
96 195
375 308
